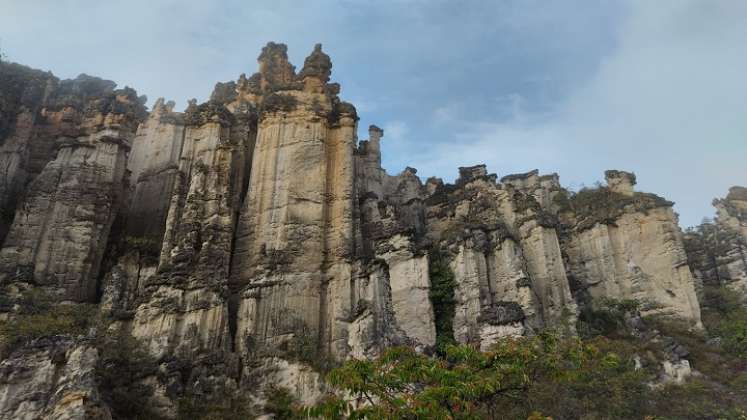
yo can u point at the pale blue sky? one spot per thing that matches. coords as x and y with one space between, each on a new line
574 87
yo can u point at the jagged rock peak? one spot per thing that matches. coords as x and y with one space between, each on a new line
374 128
737 193
163 107
520 177
734 205
226 92
210 111
318 64
620 181
274 67
469 173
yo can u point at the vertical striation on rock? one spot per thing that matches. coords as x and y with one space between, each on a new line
717 250
185 304
253 240
59 233
52 379
294 240
628 245
154 170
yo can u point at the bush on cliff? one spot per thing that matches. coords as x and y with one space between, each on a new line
39 316
529 377
568 378
441 295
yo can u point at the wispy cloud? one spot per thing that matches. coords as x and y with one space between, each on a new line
669 102
573 87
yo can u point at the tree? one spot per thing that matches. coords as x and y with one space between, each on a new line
468 384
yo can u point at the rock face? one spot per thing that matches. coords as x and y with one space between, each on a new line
60 230
717 251
636 252
252 239
51 379
154 170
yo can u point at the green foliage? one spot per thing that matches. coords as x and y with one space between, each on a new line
225 407
725 317
40 316
605 318
281 404
443 283
148 247
718 354
602 205
562 201
122 362
122 365
515 379
733 332
304 347
696 399
532 377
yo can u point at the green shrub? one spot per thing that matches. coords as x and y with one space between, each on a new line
281 404
42 321
515 379
733 332
443 283
219 407
146 246
607 317
122 365
122 362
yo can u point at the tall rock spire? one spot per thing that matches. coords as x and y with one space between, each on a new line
318 65
276 71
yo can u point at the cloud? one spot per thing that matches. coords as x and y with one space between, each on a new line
573 87
669 102
396 131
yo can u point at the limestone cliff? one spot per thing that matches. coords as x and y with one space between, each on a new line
68 154
253 240
717 250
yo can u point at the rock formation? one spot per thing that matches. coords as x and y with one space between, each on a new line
717 250
52 378
253 240
72 189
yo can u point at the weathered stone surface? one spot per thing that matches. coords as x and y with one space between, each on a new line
185 305
295 236
154 170
627 245
257 241
60 232
53 378
640 257
717 251
38 112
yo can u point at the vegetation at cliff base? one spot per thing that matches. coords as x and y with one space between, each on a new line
607 372
517 378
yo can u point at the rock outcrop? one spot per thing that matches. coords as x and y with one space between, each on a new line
60 229
252 239
633 250
52 378
717 250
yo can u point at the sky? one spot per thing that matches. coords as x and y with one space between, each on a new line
568 86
